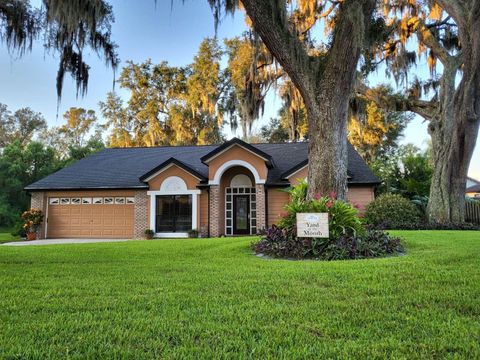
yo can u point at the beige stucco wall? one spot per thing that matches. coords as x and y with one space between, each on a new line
237 153
361 196
173 170
276 201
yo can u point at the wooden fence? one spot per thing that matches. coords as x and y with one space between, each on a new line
472 212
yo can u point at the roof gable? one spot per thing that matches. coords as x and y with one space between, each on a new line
237 142
165 165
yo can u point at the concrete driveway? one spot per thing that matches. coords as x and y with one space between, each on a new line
61 241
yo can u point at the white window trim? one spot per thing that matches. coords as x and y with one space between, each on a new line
153 209
227 165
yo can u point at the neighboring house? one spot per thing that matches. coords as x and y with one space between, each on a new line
229 189
473 188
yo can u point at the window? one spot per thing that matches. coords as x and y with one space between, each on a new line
173 213
98 200
119 200
65 201
54 201
76 201
108 200
130 200
86 200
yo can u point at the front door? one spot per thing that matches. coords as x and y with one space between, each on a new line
241 214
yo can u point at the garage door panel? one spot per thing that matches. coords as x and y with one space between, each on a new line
90 220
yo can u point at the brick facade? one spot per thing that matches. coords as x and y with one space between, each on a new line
260 198
140 221
39 201
215 197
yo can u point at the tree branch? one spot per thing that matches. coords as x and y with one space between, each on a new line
426 36
271 23
397 102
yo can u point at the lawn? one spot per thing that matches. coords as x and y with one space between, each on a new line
211 298
6 235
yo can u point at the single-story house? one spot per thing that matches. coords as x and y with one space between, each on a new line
472 188
229 189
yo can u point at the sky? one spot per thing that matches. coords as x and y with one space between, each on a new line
163 31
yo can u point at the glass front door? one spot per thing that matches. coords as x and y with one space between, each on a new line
241 211
173 213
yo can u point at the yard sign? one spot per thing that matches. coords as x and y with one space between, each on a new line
312 225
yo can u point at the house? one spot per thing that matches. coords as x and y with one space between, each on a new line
472 188
229 189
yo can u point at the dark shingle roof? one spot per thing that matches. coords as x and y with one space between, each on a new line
474 188
122 168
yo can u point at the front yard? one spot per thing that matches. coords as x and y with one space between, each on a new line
211 298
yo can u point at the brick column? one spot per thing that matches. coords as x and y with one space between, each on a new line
214 213
38 201
260 199
140 223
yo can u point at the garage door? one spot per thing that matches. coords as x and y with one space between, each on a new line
90 217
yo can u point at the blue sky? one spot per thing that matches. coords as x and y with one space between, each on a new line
142 30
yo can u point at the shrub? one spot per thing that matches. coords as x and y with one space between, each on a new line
392 211
193 233
342 217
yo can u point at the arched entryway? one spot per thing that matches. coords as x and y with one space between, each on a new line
234 201
239 208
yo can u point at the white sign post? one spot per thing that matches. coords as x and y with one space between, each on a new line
312 225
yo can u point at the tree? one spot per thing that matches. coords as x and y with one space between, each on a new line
79 123
274 132
447 31
22 125
293 112
373 131
21 165
68 28
118 121
324 80
408 172
75 136
251 72
168 105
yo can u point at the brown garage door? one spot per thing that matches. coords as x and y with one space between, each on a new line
98 217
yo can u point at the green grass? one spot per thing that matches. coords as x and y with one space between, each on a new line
6 235
211 298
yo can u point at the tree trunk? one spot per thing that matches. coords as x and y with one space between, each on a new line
452 149
454 133
325 84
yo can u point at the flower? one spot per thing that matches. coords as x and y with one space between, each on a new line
330 203
317 196
333 195
283 214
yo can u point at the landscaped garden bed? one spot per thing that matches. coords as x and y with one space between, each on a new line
347 237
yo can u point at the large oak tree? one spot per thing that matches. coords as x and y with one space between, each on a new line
325 80
447 31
